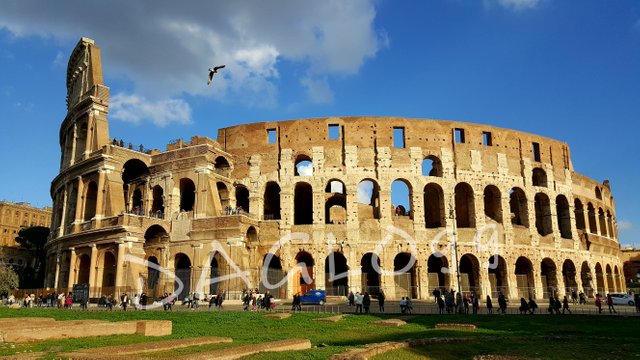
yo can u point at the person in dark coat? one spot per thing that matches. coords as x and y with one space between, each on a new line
565 305
532 306
489 305
524 307
502 303
366 302
381 298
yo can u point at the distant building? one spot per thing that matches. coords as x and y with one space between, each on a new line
631 264
13 217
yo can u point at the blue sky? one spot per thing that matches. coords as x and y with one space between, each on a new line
568 70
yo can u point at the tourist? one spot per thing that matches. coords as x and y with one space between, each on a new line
220 299
532 306
294 303
110 302
381 299
436 294
598 303
196 300
574 296
475 303
610 304
524 307
583 298
502 303
351 299
465 302
636 301
358 300
565 305
408 305
448 301
143 301
558 304
440 305
68 301
552 305
403 305
124 301
366 302
136 302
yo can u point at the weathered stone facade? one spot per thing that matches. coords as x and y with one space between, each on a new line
212 208
13 217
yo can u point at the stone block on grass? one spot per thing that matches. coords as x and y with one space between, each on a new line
389 322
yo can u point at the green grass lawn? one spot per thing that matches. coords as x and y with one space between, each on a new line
541 336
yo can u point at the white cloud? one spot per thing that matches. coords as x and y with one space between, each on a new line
365 191
515 5
135 109
305 168
60 61
625 225
165 47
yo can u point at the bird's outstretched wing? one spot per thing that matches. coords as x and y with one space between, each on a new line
211 72
215 69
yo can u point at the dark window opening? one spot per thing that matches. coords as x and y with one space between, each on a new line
535 147
459 136
486 139
303 204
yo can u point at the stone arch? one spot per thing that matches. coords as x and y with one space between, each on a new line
587 279
599 279
368 200
272 274
90 201
592 219
335 202
432 166
404 268
563 213
498 276
524 278
84 265
470 274
543 214
548 277
222 166
303 204
183 274
539 177
438 272
108 267
272 201
401 198
434 206
187 194
370 269
135 174
242 199
305 279
216 270
251 235
518 207
465 206
610 285
157 204
493 203
603 223
336 274
579 214
569 277
303 165
155 234
598 193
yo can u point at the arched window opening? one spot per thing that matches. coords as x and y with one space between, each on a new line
569 277
187 194
401 195
81 142
543 214
518 207
305 279
223 194
493 203
598 193
155 234
524 278
273 276
108 273
216 270
272 201
610 284
564 216
434 206
498 276
438 272
370 267
136 202
404 267
603 223
539 177
431 166
335 207
599 280
579 214
252 235
548 277
336 274
242 200
134 176
303 166
465 208
587 279
610 225
183 276
84 263
222 166
470 274
368 200
90 201
157 206
592 219
153 274
303 204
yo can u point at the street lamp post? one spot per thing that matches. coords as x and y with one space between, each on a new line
455 252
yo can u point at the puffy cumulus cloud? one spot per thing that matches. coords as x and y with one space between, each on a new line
134 109
515 5
305 168
365 192
625 225
165 47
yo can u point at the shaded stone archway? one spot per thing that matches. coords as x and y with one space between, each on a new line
336 274
438 273
370 273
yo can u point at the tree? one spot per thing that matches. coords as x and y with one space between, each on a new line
33 238
8 279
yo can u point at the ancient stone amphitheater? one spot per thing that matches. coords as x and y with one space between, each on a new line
294 205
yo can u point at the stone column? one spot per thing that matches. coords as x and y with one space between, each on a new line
537 281
63 216
120 268
57 275
79 196
72 270
92 270
100 195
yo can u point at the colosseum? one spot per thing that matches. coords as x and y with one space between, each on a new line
305 204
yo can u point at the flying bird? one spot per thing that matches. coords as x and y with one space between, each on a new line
213 71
